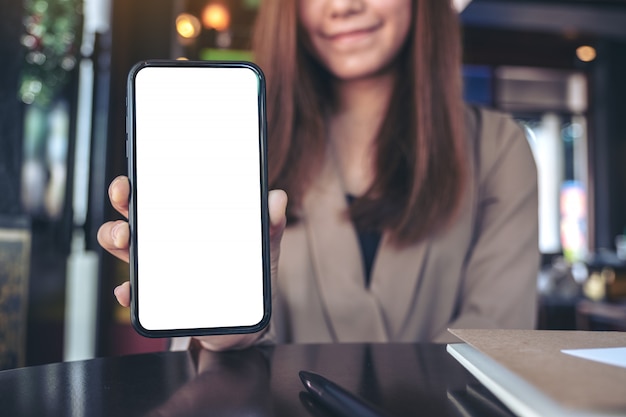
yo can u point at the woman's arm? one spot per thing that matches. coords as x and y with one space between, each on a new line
499 289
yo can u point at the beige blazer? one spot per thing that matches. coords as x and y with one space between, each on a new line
480 273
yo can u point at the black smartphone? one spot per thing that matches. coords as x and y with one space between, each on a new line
196 148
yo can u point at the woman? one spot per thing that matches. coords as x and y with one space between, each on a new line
408 213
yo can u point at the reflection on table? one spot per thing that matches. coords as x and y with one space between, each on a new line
476 400
402 379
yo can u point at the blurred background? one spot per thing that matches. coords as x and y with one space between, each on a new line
559 66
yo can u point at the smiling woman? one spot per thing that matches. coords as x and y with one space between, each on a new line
396 57
361 46
409 212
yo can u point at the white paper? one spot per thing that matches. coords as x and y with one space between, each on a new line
610 356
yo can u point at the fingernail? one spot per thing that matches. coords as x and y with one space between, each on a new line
111 185
116 291
116 231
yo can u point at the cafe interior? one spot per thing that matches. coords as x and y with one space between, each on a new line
558 66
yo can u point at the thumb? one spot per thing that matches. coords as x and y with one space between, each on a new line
277 204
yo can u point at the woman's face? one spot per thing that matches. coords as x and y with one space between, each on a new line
355 38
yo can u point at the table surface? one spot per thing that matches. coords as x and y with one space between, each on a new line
402 379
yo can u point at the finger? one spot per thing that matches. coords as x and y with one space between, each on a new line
277 202
119 190
122 293
114 237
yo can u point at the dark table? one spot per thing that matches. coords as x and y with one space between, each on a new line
403 379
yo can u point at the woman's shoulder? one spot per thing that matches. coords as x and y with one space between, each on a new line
489 123
496 136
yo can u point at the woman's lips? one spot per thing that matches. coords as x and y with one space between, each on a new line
350 36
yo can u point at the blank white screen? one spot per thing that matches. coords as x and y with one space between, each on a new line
198 198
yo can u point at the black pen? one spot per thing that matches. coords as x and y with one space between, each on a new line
337 399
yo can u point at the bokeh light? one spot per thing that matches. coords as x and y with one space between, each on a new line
586 53
187 26
216 16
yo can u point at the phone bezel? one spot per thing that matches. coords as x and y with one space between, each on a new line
131 162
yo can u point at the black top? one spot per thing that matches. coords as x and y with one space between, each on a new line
369 242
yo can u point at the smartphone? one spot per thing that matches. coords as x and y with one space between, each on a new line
196 150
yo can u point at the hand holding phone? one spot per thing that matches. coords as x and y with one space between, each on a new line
114 237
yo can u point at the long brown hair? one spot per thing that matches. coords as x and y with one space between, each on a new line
421 161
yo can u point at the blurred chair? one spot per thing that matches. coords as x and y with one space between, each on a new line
604 306
15 243
600 315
